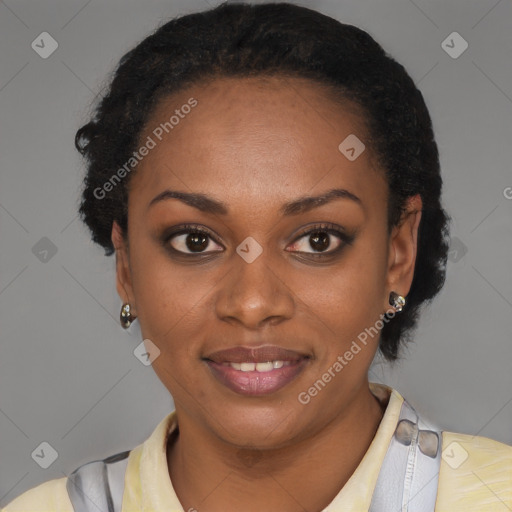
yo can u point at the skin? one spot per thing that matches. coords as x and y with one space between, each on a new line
255 144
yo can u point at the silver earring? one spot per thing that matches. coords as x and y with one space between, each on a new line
126 317
397 301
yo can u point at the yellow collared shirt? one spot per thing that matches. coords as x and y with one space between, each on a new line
475 474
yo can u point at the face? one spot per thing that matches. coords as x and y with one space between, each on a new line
244 258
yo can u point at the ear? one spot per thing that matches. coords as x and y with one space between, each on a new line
403 249
123 272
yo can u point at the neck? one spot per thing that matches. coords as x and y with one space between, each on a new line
209 474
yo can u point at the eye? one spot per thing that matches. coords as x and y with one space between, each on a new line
318 241
191 239
321 239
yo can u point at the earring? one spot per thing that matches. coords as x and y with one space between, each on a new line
397 301
126 317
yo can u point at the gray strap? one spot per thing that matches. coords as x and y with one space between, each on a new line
409 474
98 486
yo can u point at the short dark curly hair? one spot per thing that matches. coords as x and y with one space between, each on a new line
240 40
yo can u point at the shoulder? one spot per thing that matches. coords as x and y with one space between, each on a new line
60 494
475 474
48 496
54 496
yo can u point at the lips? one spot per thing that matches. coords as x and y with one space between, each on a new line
255 355
256 371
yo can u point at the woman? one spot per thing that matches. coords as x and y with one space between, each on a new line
269 182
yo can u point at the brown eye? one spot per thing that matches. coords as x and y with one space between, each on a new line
192 241
318 241
321 239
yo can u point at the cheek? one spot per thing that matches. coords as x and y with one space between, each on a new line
159 293
348 296
172 301
351 284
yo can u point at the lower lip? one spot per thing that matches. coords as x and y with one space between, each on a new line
256 383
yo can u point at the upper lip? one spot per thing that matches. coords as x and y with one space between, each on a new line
261 354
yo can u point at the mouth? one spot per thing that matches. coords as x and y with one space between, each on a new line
256 371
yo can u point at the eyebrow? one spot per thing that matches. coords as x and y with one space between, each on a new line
301 205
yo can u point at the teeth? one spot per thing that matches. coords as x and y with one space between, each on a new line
264 367
259 367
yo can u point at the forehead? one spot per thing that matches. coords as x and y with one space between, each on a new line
267 136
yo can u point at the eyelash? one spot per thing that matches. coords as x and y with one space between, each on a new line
328 228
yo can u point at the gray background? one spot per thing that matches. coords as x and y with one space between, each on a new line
68 375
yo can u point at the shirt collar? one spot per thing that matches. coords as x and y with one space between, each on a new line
148 487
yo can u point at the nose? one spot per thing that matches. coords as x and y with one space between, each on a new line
254 294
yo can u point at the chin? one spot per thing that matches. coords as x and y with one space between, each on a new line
257 427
